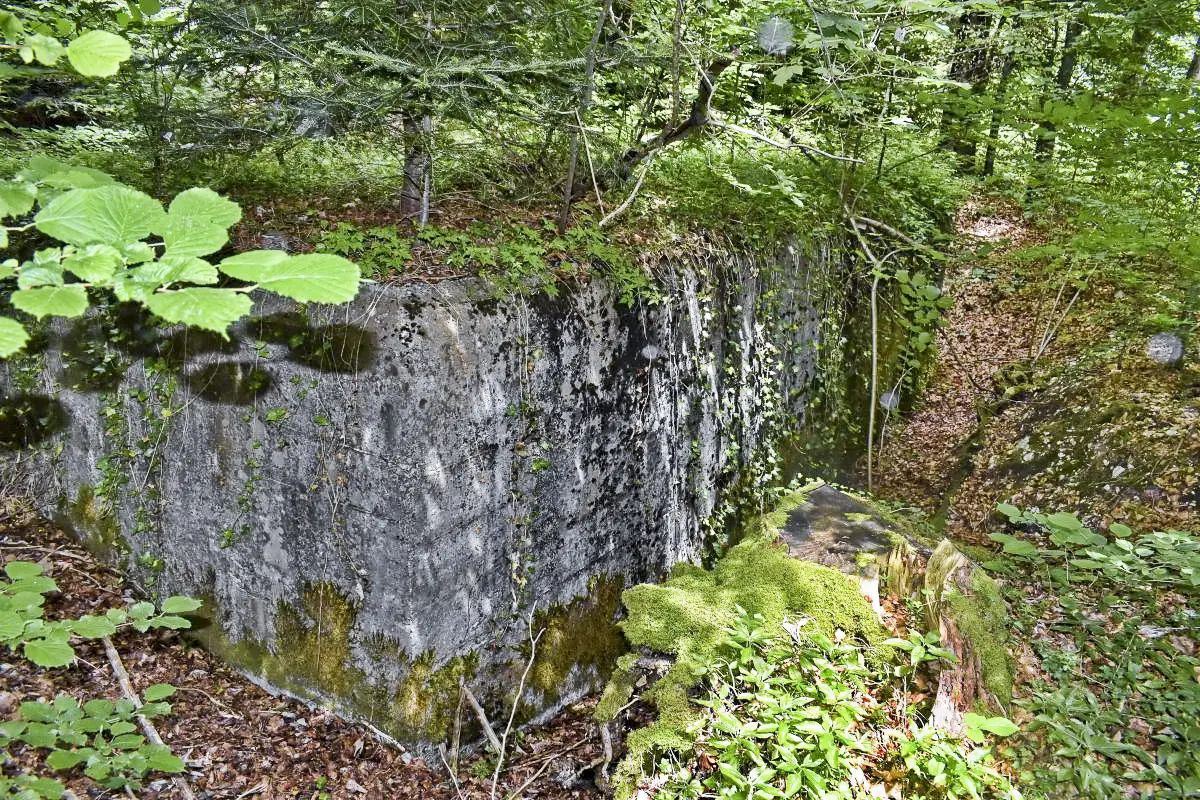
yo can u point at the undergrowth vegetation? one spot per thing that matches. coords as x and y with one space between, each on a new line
792 712
1112 693
99 737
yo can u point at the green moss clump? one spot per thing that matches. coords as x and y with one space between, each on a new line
95 521
685 617
315 642
983 620
582 635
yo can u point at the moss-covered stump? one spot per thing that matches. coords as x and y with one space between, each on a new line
850 533
964 605
683 619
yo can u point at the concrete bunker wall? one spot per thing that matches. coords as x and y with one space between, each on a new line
373 500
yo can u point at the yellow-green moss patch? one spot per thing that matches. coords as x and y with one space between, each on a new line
685 616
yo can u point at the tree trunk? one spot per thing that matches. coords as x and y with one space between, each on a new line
417 161
969 65
1047 132
989 156
585 100
1193 72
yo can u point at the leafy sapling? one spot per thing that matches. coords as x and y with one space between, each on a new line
121 244
48 643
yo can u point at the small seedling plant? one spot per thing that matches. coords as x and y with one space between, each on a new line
98 736
795 713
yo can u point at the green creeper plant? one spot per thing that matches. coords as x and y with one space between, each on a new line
47 643
98 735
121 243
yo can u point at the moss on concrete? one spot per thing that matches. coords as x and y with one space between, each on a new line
685 617
95 523
314 654
582 635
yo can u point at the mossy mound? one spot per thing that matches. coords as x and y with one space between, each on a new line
685 615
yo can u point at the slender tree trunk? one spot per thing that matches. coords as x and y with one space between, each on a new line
1006 71
676 54
585 100
969 65
417 159
1193 72
1047 132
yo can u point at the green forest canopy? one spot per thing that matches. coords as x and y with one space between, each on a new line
755 117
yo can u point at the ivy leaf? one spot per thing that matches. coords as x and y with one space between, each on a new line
172 622
98 54
52 301
13 336
188 236
205 205
179 604
49 652
211 309
115 214
310 278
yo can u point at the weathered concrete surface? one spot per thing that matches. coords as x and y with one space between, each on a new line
374 499
832 528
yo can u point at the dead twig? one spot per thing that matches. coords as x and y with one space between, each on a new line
481 715
118 668
512 715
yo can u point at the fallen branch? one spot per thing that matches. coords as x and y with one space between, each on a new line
481 715
118 668
619 210
785 145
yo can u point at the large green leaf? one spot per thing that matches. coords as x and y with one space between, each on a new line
90 626
311 278
98 54
49 652
116 215
182 269
180 604
205 205
191 236
11 625
71 177
95 263
20 570
211 309
16 198
52 301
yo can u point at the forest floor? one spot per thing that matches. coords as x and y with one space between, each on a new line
237 740
1044 395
